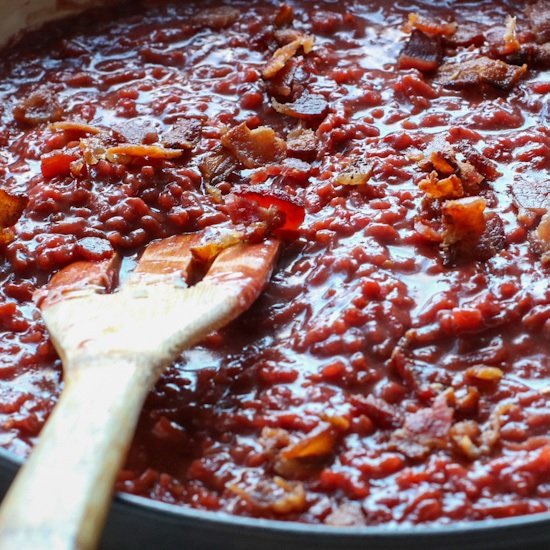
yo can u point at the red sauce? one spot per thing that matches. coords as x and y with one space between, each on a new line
383 376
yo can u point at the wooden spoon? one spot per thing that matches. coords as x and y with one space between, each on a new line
114 347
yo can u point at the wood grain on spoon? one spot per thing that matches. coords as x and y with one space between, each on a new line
114 347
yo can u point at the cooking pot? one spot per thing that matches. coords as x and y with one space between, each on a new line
138 523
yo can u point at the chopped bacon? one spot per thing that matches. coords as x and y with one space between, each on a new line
292 209
511 42
184 134
284 15
539 20
302 143
533 54
307 107
421 52
382 413
464 219
76 127
119 152
446 188
38 107
359 174
429 26
319 442
11 208
254 148
57 164
286 52
93 149
277 495
213 242
217 167
487 168
216 18
136 130
478 71
424 430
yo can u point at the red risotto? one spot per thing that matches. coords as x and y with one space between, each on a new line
396 369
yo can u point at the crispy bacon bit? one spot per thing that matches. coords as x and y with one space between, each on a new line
446 188
57 164
93 150
76 127
464 436
254 148
319 442
421 52
277 495
212 244
429 26
307 107
511 42
119 152
11 208
358 174
216 18
382 413
302 143
184 134
38 107
479 71
286 52
424 430
464 220
292 209
284 15
539 20
137 130
217 167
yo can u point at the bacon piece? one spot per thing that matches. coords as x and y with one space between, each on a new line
184 134
137 130
307 107
382 413
38 107
277 495
302 143
76 127
213 242
254 148
57 164
11 208
358 174
217 167
321 441
446 188
487 168
539 20
533 54
286 52
429 26
291 207
117 153
216 18
421 52
464 220
424 430
511 42
478 71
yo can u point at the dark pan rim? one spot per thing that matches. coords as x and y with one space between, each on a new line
539 521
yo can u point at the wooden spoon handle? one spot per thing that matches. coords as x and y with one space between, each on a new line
60 497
